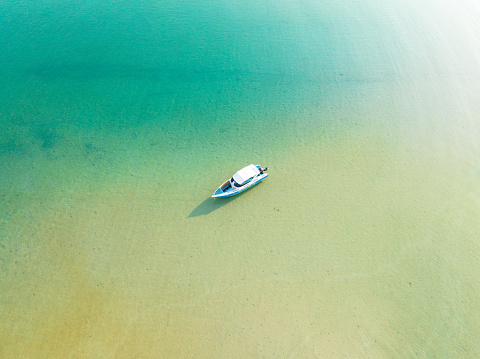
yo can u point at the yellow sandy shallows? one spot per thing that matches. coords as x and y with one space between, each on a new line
357 255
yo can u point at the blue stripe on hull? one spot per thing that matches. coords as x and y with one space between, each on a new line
219 194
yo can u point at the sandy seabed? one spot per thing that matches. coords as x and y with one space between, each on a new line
361 244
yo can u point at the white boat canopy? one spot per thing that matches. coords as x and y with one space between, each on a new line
245 173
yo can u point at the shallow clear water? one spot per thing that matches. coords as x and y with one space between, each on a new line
119 119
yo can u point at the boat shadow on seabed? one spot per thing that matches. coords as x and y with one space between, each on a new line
212 204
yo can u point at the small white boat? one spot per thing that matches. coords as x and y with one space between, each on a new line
244 179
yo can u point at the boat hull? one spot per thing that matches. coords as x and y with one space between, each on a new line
219 193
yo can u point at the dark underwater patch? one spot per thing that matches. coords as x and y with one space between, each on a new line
93 71
10 147
47 135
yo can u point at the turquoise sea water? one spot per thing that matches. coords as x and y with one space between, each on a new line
91 88
118 119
